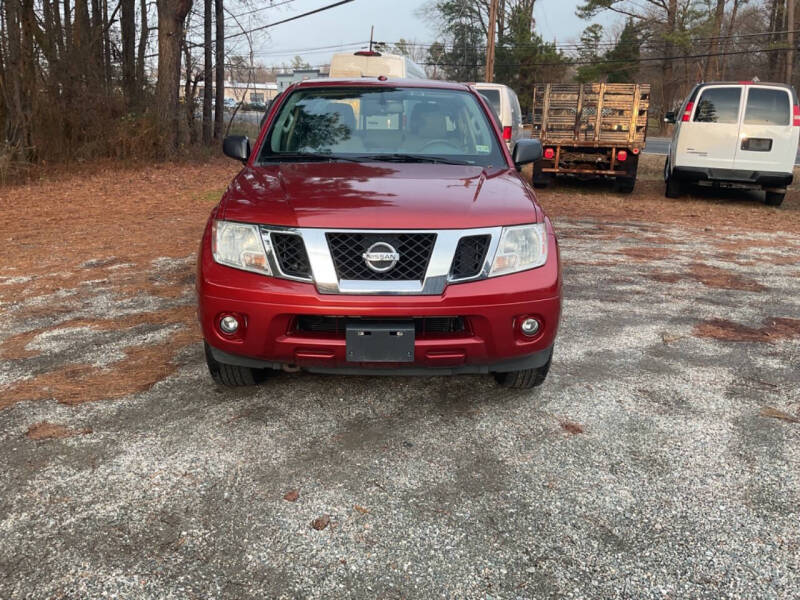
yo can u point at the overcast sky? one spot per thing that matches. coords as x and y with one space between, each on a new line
348 26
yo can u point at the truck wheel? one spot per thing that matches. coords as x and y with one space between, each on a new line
524 380
774 198
542 180
229 375
624 185
674 188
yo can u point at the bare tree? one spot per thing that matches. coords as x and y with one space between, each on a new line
128 32
219 57
171 15
207 71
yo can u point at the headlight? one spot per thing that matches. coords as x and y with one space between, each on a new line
239 245
521 247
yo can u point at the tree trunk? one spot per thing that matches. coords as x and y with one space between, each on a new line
667 82
189 92
127 25
28 80
106 45
144 36
171 14
219 57
712 64
208 72
726 43
97 38
67 25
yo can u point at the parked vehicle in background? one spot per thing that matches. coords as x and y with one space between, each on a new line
737 133
505 104
379 227
366 63
590 130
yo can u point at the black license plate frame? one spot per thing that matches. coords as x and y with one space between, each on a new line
380 341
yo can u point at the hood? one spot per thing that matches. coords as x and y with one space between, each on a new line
379 195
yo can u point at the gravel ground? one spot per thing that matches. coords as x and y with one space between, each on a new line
659 460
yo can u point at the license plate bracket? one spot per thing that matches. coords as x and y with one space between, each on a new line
380 341
757 144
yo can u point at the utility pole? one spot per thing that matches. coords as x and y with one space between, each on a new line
790 36
490 42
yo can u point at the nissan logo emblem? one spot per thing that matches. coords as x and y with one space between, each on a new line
381 257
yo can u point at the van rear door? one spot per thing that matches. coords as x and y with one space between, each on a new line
767 137
709 138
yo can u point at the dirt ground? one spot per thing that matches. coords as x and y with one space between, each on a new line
660 459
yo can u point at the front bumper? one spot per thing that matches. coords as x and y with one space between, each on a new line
491 309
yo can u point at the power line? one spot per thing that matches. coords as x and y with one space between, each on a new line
294 18
268 25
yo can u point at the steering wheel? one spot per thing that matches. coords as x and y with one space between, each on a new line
449 145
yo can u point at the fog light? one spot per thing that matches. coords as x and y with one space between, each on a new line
228 324
530 326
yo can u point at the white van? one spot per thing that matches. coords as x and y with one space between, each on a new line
740 133
365 63
505 104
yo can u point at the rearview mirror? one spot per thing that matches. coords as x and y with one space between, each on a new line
527 151
669 117
236 146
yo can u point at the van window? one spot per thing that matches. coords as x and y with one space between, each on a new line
767 107
516 111
718 105
493 98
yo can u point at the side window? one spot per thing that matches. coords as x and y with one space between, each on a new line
516 111
767 107
718 105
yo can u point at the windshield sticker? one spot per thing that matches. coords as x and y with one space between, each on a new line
481 149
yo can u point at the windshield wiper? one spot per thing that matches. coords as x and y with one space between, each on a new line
401 157
308 157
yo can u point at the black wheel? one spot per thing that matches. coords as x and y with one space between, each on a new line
674 188
774 198
229 375
524 380
542 180
624 185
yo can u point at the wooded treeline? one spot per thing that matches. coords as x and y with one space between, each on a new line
671 44
77 81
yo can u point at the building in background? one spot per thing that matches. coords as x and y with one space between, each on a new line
287 79
240 91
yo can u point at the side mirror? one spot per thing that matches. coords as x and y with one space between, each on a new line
669 117
526 151
236 146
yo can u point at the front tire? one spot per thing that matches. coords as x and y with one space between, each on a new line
525 379
229 375
774 198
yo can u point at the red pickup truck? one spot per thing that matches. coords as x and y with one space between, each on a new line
379 227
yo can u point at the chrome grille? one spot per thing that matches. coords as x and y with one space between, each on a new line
470 256
347 250
291 254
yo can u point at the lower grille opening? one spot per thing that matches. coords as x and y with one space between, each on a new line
336 325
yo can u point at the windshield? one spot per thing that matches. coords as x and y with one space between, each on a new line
382 123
